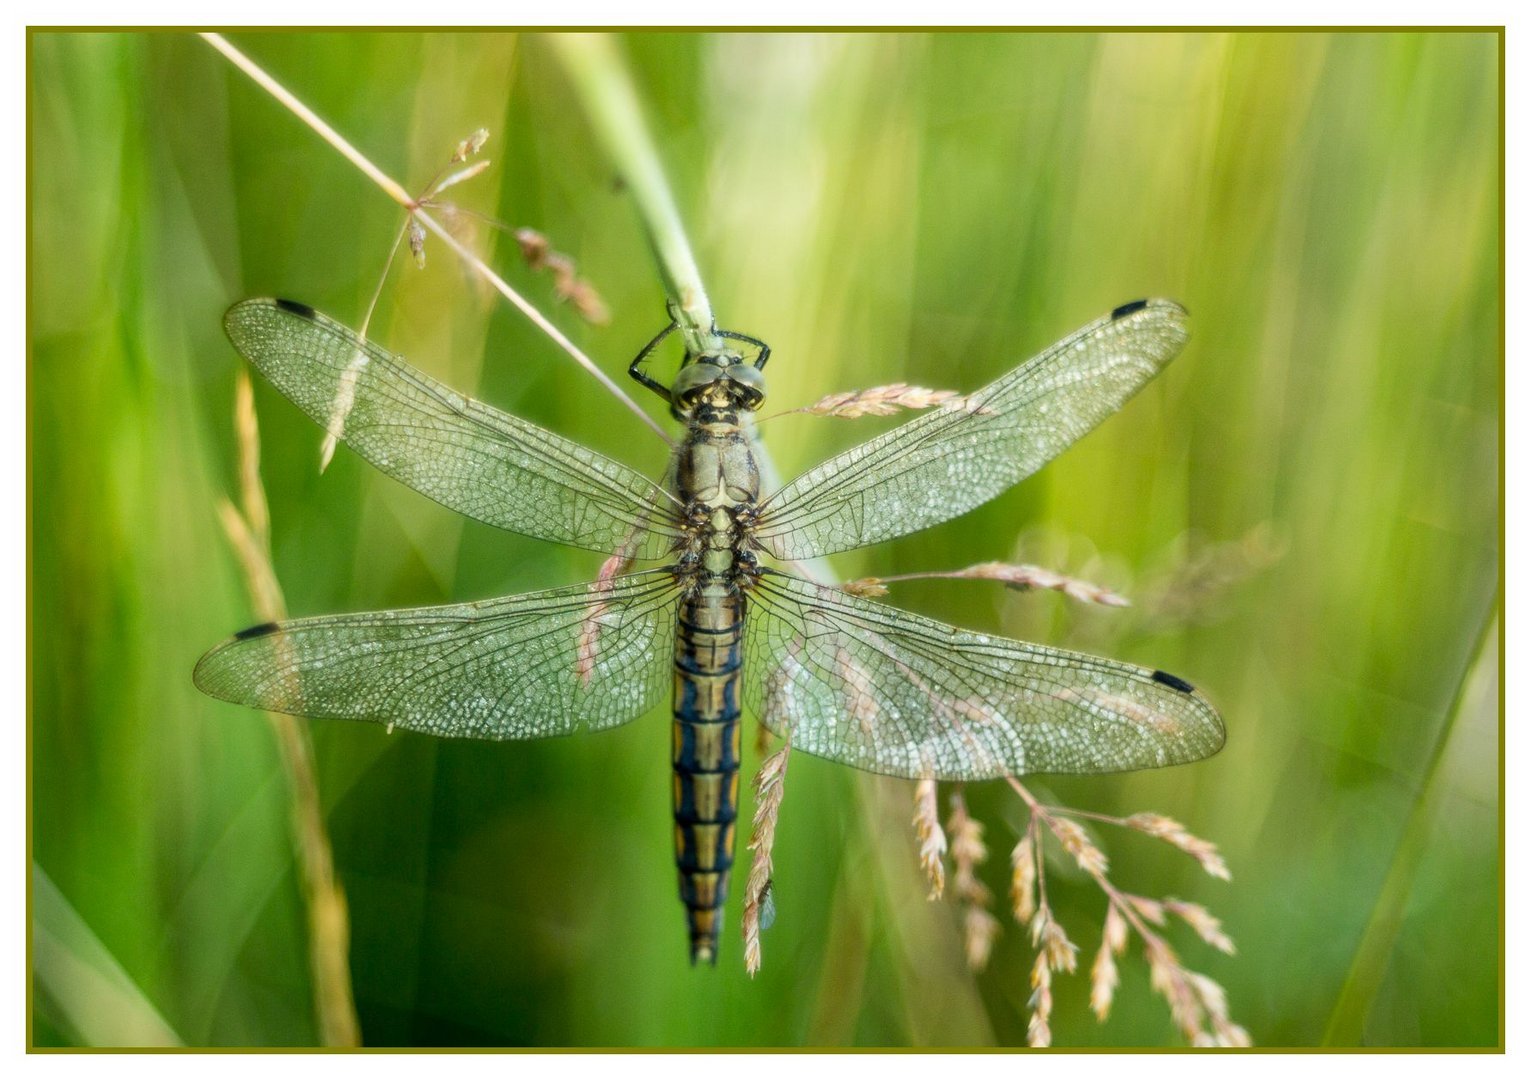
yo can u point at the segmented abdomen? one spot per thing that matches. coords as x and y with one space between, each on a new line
708 657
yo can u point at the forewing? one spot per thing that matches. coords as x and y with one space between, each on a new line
890 692
521 667
946 462
462 453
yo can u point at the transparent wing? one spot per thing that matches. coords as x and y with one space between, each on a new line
521 667
890 692
460 452
948 461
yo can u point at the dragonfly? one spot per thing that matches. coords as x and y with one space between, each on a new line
692 606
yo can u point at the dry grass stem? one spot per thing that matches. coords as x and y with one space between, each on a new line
1026 576
1013 575
260 584
396 191
879 401
769 787
252 494
1197 1003
536 251
455 178
1018 576
325 905
345 392
588 643
412 231
927 828
439 183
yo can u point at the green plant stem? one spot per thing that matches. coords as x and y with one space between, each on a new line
87 988
1347 1021
610 102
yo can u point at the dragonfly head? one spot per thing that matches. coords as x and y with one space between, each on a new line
722 380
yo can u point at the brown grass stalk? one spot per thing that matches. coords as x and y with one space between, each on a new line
1197 1003
325 904
769 788
1013 575
878 401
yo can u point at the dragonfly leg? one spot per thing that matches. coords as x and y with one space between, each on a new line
765 350
635 369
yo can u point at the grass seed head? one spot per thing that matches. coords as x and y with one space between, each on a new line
1023 879
1075 841
1038 1029
927 828
1103 982
979 931
878 401
968 852
1206 925
868 586
1172 832
769 788
471 145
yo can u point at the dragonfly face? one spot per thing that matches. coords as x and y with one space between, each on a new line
719 382
844 677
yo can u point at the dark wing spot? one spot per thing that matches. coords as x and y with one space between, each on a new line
1116 313
304 311
261 631
1173 682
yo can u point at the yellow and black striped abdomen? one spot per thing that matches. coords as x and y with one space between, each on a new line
708 656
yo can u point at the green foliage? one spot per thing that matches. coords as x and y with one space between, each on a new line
920 208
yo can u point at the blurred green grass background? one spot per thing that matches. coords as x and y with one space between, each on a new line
1305 509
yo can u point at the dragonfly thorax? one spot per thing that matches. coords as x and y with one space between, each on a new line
716 479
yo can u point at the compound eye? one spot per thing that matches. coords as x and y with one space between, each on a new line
692 380
750 381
